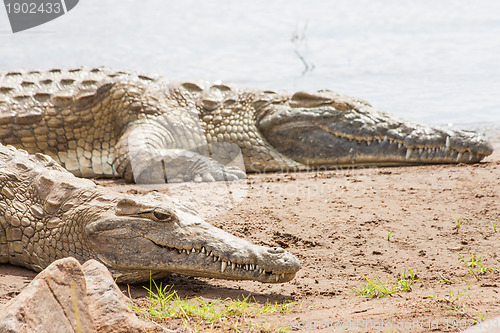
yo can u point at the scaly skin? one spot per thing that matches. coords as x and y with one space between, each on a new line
97 122
46 214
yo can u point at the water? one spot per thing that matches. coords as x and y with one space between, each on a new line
430 61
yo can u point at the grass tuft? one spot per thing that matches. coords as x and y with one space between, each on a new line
494 227
405 282
374 289
475 265
378 289
460 307
458 220
163 303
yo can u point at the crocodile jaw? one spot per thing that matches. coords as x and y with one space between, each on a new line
324 136
135 249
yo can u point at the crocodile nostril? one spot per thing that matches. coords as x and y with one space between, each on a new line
275 250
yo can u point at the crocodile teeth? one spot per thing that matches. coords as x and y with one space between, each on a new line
408 152
399 145
223 266
233 266
193 250
184 251
256 267
277 278
216 258
283 275
202 249
210 254
459 156
448 142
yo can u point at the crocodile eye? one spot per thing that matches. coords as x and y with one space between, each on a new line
162 215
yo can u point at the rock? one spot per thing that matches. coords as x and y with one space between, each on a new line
55 301
69 297
107 305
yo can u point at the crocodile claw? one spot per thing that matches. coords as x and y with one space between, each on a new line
220 173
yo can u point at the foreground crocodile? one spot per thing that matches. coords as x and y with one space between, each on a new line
97 122
46 213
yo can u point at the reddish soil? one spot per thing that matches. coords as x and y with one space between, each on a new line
338 223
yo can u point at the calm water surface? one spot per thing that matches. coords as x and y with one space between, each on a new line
430 61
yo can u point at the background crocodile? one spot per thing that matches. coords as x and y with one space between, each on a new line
97 122
46 213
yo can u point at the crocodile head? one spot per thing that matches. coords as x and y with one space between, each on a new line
329 129
137 240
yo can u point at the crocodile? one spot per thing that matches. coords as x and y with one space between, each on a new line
46 213
97 122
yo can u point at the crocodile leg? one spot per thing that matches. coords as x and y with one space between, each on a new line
155 151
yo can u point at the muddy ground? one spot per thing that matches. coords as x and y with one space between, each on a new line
350 225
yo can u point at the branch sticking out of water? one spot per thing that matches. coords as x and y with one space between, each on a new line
299 40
